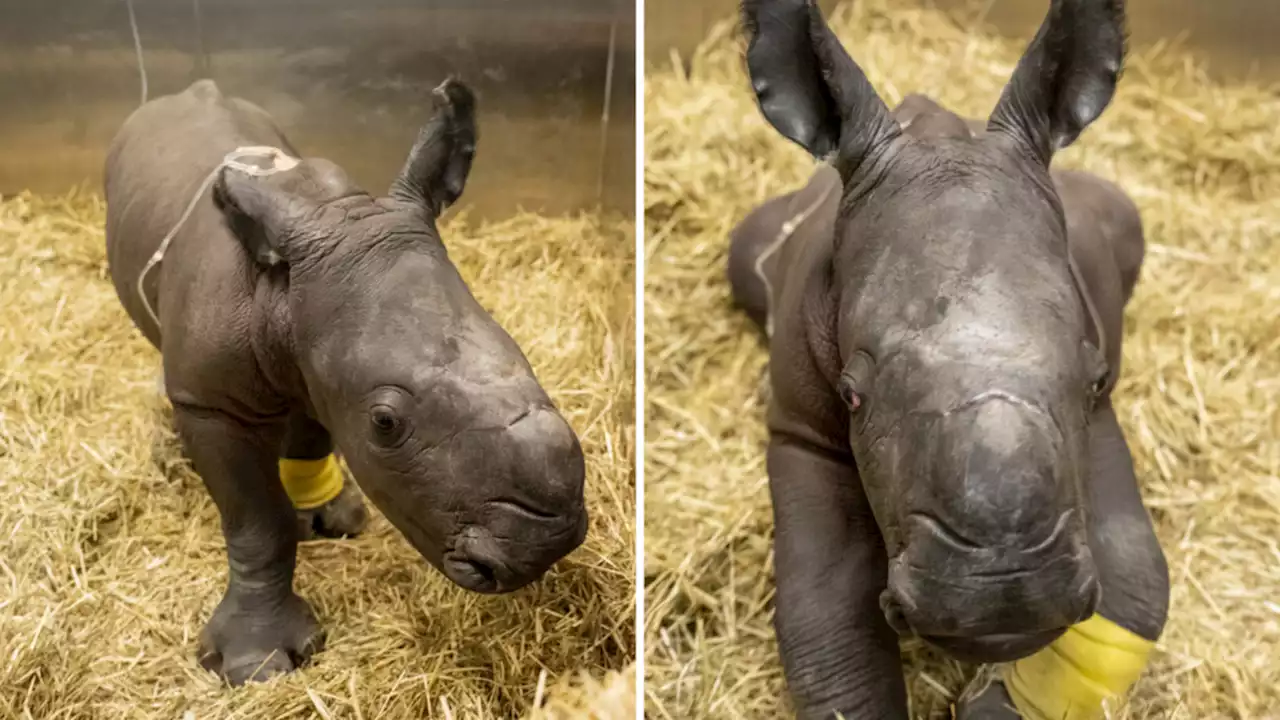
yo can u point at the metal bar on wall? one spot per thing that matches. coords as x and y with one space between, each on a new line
200 67
608 99
137 46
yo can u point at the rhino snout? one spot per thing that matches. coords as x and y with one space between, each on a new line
538 516
991 604
548 472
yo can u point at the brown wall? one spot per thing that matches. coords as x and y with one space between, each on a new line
348 81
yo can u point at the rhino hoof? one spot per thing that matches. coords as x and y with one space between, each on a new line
244 644
343 516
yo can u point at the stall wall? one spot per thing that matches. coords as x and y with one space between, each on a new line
347 81
1238 36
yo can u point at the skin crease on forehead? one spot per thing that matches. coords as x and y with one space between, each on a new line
419 294
456 337
955 291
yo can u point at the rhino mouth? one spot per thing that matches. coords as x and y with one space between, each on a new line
483 562
995 648
476 563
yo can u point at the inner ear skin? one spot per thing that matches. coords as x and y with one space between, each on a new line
854 386
808 86
786 77
1067 76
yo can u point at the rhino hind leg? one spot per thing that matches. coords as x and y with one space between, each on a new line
343 516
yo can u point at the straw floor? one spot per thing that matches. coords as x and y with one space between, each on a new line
1198 400
112 559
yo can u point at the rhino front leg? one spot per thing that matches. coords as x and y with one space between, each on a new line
838 652
343 515
261 627
1134 572
1131 565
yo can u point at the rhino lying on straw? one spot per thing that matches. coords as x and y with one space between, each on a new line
944 319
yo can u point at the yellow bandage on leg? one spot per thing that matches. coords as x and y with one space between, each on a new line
311 483
1069 680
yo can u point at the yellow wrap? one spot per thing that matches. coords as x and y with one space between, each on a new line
1069 680
311 483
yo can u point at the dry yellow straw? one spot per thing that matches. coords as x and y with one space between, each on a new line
112 558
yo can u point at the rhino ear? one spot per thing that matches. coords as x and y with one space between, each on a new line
264 218
436 171
807 86
1067 76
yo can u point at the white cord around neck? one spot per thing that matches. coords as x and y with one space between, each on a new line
789 227
280 162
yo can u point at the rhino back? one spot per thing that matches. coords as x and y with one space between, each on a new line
204 290
155 165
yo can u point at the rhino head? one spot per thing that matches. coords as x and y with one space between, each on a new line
433 405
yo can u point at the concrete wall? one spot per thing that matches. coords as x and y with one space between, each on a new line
348 81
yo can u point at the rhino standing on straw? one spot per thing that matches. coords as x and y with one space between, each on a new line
296 312
945 323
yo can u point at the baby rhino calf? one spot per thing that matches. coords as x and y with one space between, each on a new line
296 312
945 317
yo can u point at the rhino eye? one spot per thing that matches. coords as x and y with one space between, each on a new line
387 426
849 393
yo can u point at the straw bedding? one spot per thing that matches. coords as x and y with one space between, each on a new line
112 559
1198 399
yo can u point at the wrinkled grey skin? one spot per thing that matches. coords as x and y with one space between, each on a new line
298 312
944 459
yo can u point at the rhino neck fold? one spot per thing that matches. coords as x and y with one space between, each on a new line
272 336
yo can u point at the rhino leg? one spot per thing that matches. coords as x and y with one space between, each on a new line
1131 565
838 652
345 515
261 627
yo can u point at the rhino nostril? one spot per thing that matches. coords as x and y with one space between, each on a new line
473 574
894 614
